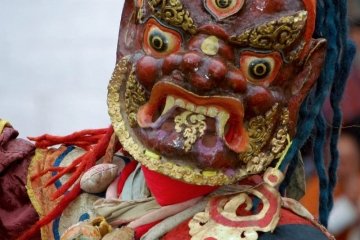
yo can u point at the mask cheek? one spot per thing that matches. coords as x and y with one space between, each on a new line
258 100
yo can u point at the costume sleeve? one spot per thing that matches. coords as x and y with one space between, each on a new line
16 211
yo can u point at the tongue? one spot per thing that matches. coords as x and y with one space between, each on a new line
192 129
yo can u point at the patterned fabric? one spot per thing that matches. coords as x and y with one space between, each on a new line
78 210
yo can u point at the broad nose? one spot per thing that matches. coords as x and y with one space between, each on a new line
205 72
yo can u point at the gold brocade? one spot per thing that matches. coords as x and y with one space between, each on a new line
136 100
274 35
35 188
173 13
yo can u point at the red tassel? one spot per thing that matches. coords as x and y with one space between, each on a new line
59 192
85 162
50 169
65 170
85 137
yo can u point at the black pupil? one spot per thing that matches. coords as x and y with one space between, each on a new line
259 68
223 3
158 41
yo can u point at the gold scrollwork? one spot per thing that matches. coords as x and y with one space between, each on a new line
274 35
260 160
192 126
134 98
259 129
174 13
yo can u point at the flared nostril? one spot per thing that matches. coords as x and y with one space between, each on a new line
236 81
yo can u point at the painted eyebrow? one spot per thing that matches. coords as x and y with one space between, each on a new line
173 13
273 35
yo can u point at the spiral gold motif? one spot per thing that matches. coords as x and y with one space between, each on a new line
173 13
274 35
192 126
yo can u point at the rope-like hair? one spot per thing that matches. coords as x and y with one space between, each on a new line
331 24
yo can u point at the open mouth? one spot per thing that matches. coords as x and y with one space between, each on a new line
227 112
223 152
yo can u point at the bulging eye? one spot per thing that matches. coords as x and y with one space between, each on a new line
160 41
260 68
221 9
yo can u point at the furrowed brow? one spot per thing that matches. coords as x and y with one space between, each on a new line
173 13
274 35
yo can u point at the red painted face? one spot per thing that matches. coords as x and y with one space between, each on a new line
213 86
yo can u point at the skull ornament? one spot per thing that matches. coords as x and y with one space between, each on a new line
208 92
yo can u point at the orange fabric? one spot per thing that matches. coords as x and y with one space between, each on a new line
311 199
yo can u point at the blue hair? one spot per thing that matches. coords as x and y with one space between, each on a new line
331 24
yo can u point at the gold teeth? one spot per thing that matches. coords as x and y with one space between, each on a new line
212 111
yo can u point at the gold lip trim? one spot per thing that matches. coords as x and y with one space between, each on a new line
153 161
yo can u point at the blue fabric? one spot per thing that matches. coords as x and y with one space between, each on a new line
55 229
294 232
84 217
57 163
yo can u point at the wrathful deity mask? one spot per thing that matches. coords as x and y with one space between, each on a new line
208 91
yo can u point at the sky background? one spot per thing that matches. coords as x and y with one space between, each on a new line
56 58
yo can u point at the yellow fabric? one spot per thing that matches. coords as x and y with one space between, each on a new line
39 195
3 124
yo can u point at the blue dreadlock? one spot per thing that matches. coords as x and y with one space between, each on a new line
331 24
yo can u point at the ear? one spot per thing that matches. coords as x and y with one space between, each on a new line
306 78
128 42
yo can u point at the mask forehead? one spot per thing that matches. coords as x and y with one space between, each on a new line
249 14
